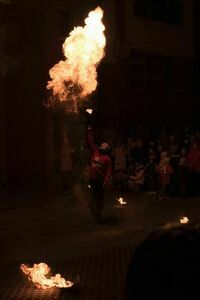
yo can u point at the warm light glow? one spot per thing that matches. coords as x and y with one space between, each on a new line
38 275
184 220
89 111
89 186
75 77
121 201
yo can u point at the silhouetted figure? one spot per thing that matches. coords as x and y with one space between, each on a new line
99 174
193 159
166 266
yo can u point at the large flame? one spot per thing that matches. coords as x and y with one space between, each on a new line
75 77
37 274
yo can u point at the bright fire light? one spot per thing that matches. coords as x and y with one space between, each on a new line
75 77
89 111
121 201
184 220
38 275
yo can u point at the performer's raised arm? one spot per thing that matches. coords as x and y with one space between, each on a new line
90 139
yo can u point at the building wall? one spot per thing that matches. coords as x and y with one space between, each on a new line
142 46
25 115
33 43
3 71
159 37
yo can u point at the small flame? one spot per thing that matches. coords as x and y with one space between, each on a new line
184 220
75 77
89 111
38 274
121 201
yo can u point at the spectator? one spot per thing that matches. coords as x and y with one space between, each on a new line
193 159
165 171
166 266
119 156
151 176
136 181
182 172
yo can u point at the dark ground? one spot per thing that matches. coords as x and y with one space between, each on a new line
57 228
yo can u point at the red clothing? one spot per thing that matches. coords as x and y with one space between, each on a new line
165 174
100 164
193 159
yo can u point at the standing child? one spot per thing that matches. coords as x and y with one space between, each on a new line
137 180
165 171
183 173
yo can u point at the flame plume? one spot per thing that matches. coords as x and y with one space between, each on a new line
38 275
75 77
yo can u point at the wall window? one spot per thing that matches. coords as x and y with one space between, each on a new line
169 11
150 71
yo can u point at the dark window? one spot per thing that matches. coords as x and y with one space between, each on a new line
169 11
165 74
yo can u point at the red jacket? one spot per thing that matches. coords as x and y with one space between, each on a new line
100 164
165 173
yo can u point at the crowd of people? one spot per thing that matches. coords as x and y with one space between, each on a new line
168 165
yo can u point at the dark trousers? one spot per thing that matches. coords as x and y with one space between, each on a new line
96 198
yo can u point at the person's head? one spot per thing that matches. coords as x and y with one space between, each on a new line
183 151
133 144
151 143
195 145
192 138
164 154
182 161
166 160
151 161
166 265
104 148
138 166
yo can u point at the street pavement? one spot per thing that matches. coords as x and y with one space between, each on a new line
56 227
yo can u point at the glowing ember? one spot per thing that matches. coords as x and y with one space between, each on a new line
121 201
75 77
89 111
184 220
38 275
